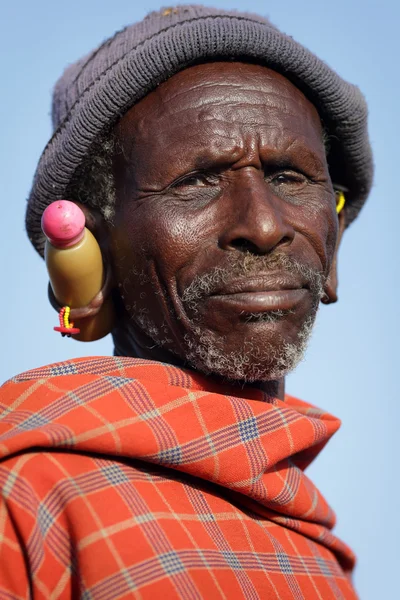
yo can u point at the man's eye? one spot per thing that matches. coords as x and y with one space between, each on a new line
196 180
288 178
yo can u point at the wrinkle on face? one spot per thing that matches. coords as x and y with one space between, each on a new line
215 117
244 123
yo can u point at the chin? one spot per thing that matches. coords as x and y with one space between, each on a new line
268 356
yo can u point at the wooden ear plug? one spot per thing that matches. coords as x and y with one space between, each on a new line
76 272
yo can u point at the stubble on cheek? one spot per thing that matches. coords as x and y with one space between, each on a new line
178 322
146 303
250 363
265 356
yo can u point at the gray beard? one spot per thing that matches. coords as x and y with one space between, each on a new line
205 351
250 364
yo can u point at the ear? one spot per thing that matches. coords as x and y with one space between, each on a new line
331 284
94 221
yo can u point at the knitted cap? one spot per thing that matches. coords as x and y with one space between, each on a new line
94 92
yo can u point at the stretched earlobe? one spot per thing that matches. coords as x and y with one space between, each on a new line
330 290
331 285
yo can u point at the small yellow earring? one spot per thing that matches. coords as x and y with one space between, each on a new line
341 200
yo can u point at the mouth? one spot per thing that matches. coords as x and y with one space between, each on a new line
261 294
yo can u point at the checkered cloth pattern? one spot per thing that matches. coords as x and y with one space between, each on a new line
127 478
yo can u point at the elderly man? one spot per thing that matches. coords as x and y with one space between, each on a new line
211 155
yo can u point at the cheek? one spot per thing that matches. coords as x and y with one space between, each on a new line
176 240
153 246
319 225
175 236
330 230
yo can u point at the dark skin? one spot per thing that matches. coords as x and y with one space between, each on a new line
222 160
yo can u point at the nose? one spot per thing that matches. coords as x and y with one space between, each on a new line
255 221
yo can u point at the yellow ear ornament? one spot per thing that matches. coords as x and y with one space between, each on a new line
341 200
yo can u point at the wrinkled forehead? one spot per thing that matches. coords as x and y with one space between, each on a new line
205 94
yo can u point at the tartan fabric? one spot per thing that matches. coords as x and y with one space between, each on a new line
127 478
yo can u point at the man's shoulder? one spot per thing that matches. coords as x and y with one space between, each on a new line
92 365
39 407
63 473
33 378
83 405
101 366
73 373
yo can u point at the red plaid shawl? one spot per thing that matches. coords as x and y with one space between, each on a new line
123 477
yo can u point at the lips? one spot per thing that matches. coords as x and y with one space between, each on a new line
261 284
261 294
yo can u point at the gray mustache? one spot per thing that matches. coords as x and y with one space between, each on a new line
251 264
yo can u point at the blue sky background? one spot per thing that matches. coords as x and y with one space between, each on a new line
349 369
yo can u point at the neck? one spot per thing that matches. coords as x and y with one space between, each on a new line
138 345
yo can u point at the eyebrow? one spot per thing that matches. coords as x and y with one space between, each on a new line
301 154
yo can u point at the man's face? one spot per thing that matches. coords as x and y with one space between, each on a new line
225 227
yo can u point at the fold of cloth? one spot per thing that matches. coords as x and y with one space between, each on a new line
123 477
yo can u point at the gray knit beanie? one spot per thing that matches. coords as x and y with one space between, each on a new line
94 92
